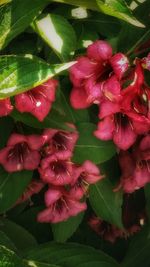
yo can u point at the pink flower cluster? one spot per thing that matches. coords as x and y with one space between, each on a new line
51 154
67 181
123 98
37 101
135 166
110 232
134 218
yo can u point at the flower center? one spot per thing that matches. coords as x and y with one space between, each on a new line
19 151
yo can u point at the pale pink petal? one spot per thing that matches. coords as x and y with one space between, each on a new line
105 128
124 136
99 50
52 195
79 98
83 69
5 107
120 64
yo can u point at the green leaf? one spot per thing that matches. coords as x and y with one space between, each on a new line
5 241
86 36
28 220
91 148
64 230
12 185
6 126
8 258
106 203
3 2
16 16
70 255
20 237
147 196
103 24
135 36
58 33
55 119
138 251
83 3
40 264
119 9
21 73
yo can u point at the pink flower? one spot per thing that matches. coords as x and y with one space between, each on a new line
21 152
135 167
5 107
84 175
126 114
60 206
146 62
106 230
59 143
90 71
33 188
56 171
37 101
119 128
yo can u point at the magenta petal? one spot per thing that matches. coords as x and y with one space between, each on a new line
127 163
112 88
145 143
45 215
92 172
99 50
32 160
124 136
83 69
108 108
77 191
129 184
142 176
93 90
120 64
35 142
79 98
76 207
15 139
37 101
52 195
105 128
5 107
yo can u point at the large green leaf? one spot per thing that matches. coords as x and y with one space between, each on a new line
116 8
138 251
106 203
135 36
70 255
2 2
6 126
64 230
53 120
16 16
12 185
91 148
83 3
21 73
5 241
119 9
58 33
20 237
40 264
8 258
